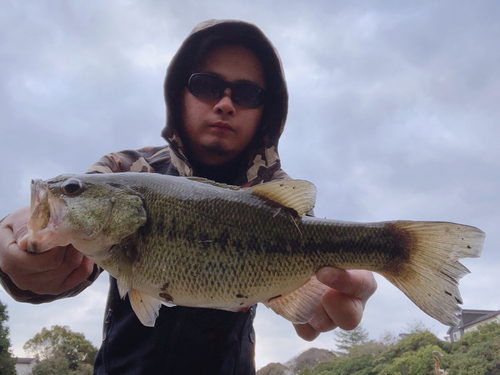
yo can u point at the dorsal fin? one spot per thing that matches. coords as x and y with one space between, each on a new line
213 183
299 195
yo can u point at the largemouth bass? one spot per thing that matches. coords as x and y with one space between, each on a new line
192 242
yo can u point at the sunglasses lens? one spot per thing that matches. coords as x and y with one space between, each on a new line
205 86
247 95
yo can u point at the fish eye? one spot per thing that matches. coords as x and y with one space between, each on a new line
72 186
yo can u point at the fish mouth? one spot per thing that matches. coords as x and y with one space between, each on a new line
46 213
38 189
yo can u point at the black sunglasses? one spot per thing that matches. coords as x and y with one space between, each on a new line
207 86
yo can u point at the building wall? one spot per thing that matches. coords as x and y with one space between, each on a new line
25 368
473 327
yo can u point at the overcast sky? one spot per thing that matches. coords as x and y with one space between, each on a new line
394 114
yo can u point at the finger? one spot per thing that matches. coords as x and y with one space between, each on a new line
17 222
29 263
344 310
80 274
40 274
14 258
320 322
306 332
357 283
75 269
23 243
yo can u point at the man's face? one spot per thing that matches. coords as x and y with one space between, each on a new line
218 130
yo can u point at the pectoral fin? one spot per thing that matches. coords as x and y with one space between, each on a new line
145 307
298 307
124 284
298 195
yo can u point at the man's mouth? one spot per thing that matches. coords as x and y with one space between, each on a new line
221 125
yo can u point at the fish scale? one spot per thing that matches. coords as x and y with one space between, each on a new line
193 242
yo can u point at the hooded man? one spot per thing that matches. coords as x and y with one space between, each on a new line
227 103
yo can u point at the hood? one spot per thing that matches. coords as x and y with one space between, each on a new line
262 155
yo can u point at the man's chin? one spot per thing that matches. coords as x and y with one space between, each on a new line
216 154
218 149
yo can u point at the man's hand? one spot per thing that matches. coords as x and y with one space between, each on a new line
342 305
52 272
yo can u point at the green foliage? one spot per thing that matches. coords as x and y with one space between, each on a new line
348 340
61 352
358 362
309 358
410 343
420 362
306 370
7 362
482 334
415 327
60 366
478 352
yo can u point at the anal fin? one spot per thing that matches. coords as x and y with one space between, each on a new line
298 306
146 308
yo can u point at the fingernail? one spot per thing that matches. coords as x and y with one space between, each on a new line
329 275
23 242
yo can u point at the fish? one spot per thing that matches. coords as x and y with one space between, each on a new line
187 241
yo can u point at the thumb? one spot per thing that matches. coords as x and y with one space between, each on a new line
22 242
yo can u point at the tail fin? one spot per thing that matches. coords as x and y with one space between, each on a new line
431 276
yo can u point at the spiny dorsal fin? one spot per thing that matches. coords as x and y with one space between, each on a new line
213 183
298 307
299 195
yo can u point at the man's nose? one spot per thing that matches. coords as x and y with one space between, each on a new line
225 104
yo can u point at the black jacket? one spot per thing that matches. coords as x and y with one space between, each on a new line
184 341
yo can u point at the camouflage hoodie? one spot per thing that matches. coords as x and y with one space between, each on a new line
261 161
187 340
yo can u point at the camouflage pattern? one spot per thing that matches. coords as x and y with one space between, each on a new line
164 160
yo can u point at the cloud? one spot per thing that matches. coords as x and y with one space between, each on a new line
393 115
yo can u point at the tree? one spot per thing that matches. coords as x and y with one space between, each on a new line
309 358
306 370
348 340
420 362
477 352
274 369
61 351
415 327
7 363
409 344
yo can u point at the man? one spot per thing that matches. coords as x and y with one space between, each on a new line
226 103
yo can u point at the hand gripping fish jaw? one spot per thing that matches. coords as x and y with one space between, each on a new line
47 211
66 211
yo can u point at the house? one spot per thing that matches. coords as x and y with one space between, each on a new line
470 320
24 366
